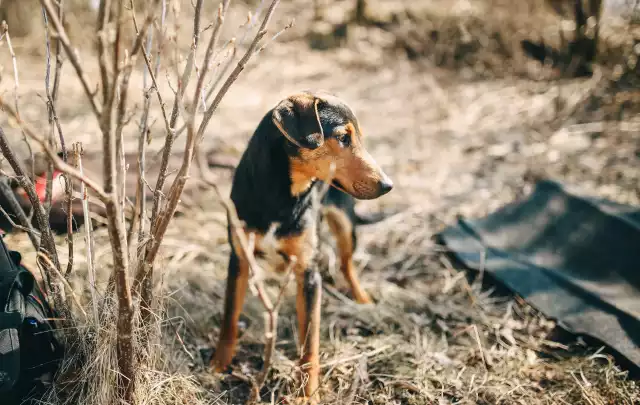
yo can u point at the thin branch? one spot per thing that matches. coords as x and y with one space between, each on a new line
160 227
101 33
63 147
70 221
140 212
225 69
215 35
138 221
153 73
143 285
64 282
73 57
52 155
123 98
16 94
14 61
16 208
56 77
54 123
212 87
169 138
52 118
88 227
271 331
238 69
47 241
9 219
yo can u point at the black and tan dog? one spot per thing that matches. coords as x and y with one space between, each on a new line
305 139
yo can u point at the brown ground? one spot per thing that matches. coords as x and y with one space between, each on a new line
461 125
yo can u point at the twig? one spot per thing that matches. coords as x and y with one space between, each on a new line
47 241
140 206
144 287
160 219
12 223
482 355
225 69
62 38
56 76
138 221
16 87
101 33
14 61
15 206
70 220
88 227
358 370
52 155
210 92
271 328
54 124
238 69
215 35
123 99
63 147
160 227
356 357
64 282
169 138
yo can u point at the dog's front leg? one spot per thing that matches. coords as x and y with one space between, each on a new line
237 284
308 308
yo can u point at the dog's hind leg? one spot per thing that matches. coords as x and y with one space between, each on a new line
342 229
308 302
237 284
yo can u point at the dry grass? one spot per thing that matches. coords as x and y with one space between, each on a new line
435 335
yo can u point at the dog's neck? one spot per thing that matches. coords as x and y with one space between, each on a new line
262 187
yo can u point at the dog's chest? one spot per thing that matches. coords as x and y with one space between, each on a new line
274 254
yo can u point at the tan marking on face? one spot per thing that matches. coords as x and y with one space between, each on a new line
355 169
351 130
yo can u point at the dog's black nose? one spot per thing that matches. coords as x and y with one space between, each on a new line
385 186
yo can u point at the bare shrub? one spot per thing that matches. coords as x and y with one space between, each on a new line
95 349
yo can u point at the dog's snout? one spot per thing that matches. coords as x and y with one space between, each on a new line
385 185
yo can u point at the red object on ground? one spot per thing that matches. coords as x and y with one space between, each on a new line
41 186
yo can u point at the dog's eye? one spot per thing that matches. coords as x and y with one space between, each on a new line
344 139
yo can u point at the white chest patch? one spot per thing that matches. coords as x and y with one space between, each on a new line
268 255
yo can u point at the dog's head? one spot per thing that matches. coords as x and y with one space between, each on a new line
322 131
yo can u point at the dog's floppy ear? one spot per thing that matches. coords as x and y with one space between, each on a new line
298 120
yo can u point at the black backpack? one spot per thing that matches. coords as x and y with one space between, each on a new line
29 351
